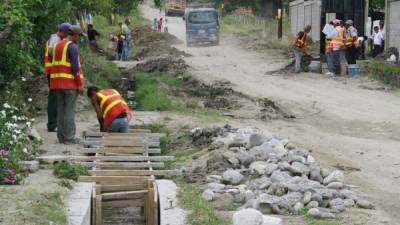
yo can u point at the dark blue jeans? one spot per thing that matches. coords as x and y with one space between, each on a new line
52 110
119 125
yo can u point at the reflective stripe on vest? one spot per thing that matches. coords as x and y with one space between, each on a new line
61 76
352 41
112 105
47 60
338 42
301 42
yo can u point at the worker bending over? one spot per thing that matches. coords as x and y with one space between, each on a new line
300 47
111 109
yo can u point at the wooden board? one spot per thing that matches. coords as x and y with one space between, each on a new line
51 159
112 188
124 203
122 150
123 165
109 180
122 195
167 173
99 214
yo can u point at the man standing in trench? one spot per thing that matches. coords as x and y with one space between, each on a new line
48 55
66 78
112 111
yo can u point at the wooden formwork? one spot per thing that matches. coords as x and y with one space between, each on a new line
123 171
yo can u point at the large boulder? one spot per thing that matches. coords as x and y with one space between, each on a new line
258 167
271 149
216 187
260 183
232 177
208 195
254 217
335 176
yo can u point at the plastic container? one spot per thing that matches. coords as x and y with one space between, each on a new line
354 71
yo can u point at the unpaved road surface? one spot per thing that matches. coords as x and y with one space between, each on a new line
340 120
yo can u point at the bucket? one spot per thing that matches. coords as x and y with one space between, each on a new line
354 71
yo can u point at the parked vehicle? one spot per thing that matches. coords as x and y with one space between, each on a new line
175 7
202 25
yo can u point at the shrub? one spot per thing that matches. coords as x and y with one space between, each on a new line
70 170
387 73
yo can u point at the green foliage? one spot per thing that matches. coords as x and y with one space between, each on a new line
380 70
43 208
149 94
200 212
69 170
98 71
376 6
165 145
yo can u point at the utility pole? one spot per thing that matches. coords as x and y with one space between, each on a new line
280 15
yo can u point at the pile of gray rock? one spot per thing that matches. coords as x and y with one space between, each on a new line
275 177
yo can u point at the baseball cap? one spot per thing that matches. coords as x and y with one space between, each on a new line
64 27
336 21
75 29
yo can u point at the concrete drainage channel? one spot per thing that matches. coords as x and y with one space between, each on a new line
122 188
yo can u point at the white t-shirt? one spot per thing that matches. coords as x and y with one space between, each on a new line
378 38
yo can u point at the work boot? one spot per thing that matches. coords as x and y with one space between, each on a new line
75 141
52 129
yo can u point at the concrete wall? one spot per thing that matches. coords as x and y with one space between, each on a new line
392 25
78 204
302 13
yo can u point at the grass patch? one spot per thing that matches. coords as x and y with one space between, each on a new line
31 207
201 213
149 94
70 171
235 24
383 71
97 70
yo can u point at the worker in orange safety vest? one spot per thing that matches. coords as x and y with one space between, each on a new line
52 97
338 48
67 80
300 47
352 43
112 111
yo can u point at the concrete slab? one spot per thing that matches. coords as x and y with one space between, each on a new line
78 204
168 197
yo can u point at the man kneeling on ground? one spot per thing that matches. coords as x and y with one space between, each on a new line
111 109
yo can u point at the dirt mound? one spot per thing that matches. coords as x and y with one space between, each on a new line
153 44
166 64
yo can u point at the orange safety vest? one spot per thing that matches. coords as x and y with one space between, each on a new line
328 46
301 42
111 106
47 59
352 41
338 42
61 76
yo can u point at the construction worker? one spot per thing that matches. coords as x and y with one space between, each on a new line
52 97
330 33
352 44
112 111
66 79
338 47
300 47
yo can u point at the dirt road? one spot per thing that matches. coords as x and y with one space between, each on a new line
341 121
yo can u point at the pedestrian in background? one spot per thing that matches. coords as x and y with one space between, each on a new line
160 24
155 24
120 46
166 26
48 55
126 31
66 78
378 42
92 34
300 47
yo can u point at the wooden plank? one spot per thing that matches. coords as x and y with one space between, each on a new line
167 173
98 189
124 195
52 159
114 143
131 187
152 213
124 203
99 214
93 208
131 131
122 150
124 165
114 179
